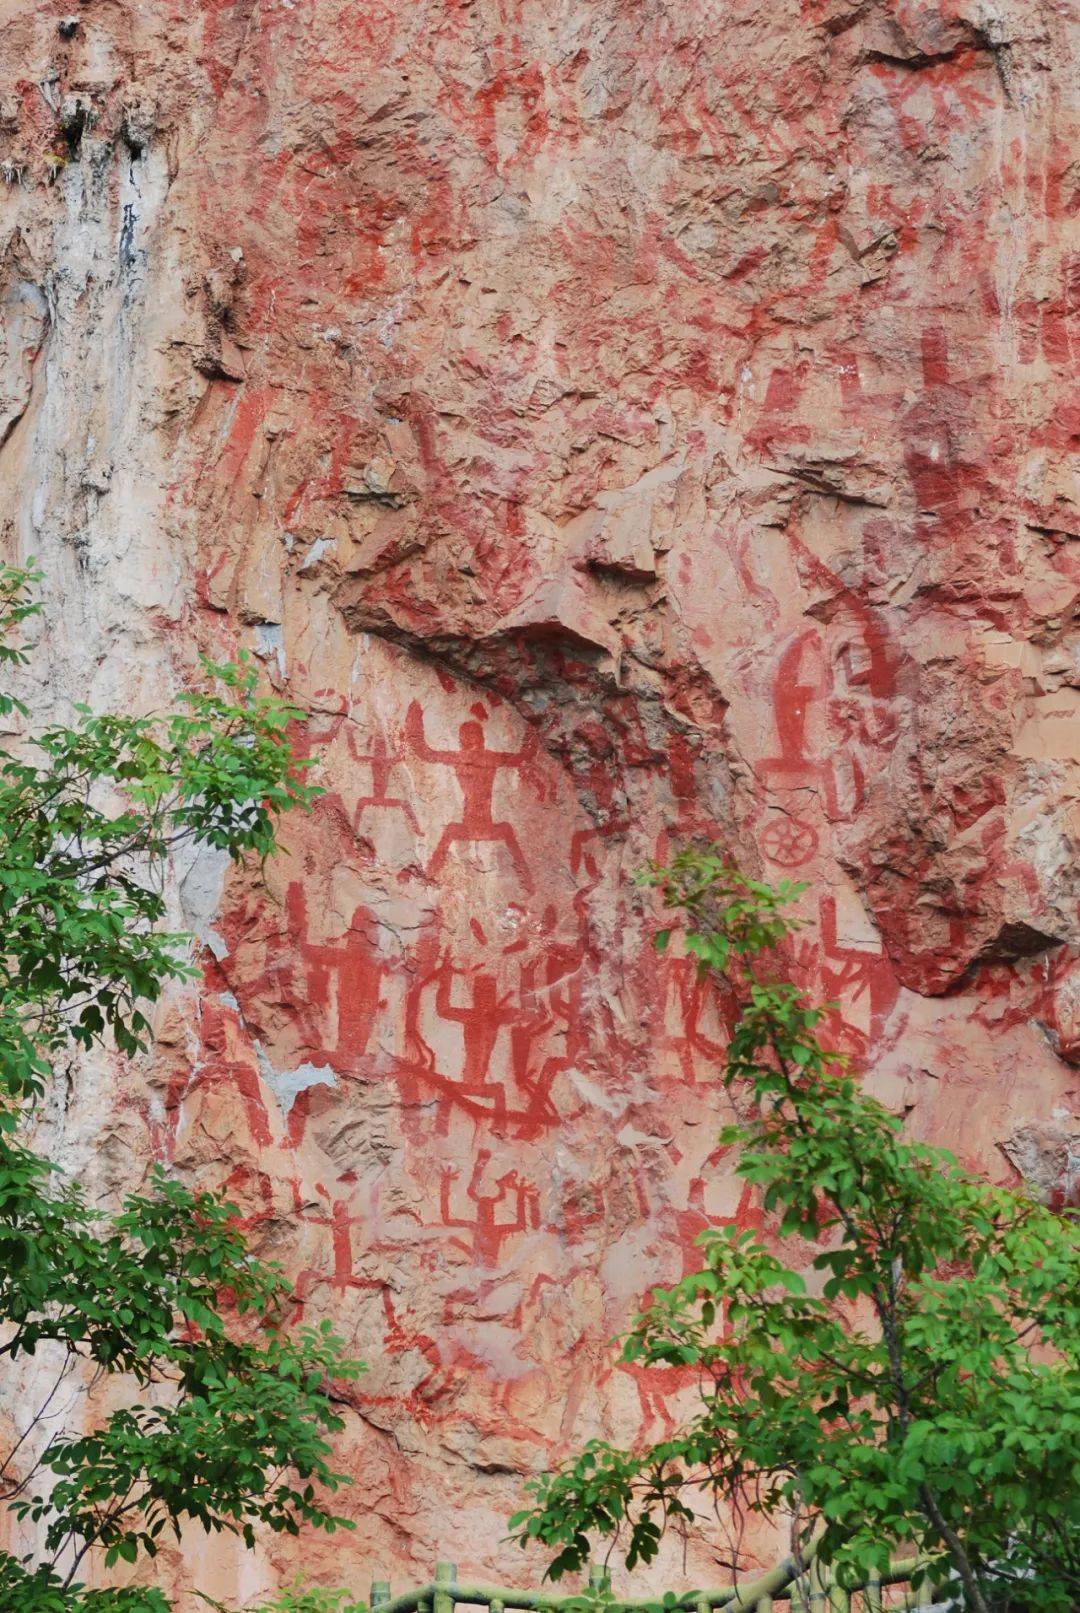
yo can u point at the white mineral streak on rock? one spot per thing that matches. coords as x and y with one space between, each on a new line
287 1085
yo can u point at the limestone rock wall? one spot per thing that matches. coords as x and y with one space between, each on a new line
612 421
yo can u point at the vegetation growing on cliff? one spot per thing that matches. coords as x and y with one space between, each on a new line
216 1415
922 1388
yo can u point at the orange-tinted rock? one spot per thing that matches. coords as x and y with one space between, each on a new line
611 424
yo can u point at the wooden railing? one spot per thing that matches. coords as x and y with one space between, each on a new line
802 1589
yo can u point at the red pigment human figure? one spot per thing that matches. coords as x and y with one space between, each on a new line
400 1340
551 998
353 965
658 1386
794 690
582 858
309 979
532 1024
486 1014
858 971
247 1184
862 719
481 1020
340 1223
320 725
792 694
692 995
475 768
382 762
861 712
488 1232
788 840
216 1069
694 1220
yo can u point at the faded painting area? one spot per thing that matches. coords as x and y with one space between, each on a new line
611 422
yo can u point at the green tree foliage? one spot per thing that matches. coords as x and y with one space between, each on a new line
218 1415
302 1598
917 1385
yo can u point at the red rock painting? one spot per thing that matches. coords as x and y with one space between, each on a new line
608 424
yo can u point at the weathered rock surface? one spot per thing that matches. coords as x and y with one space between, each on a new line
612 422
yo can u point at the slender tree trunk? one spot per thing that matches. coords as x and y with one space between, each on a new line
961 1561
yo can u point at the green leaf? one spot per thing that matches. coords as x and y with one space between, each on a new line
903 1404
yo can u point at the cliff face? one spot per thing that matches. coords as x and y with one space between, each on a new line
613 422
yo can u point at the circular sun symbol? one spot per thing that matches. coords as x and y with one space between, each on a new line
789 841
